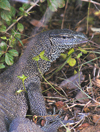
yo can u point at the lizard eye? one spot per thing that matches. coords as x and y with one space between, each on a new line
67 36
64 37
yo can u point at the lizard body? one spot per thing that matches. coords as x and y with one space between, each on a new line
11 105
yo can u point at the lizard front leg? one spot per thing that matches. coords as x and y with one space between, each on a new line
36 100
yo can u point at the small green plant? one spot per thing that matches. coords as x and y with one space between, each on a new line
72 61
42 56
23 77
9 21
9 40
7 55
68 57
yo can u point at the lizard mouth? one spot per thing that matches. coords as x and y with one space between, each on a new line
84 41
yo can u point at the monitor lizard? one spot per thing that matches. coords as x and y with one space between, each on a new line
14 106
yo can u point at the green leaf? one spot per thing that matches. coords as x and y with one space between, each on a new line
25 6
2 66
79 55
1 53
53 4
75 72
9 59
19 91
3 46
21 9
42 53
4 37
16 34
63 55
4 4
23 77
5 15
13 11
71 62
20 13
44 58
3 28
20 27
13 52
36 58
9 22
20 41
25 14
14 20
13 42
2 59
71 51
83 50
61 3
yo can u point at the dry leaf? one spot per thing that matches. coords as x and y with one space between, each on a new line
91 129
81 97
83 126
59 104
37 23
72 82
96 118
24 41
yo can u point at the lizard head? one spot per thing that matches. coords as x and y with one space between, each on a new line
62 39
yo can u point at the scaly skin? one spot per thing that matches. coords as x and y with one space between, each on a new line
11 105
